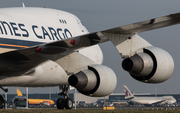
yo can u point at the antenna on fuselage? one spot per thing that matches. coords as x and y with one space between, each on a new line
23 4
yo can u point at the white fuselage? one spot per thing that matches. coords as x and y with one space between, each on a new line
25 27
154 100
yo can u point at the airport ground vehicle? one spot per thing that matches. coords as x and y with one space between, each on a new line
19 102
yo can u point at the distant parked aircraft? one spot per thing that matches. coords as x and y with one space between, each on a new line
46 102
148 100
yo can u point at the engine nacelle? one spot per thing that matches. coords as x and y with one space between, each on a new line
96 81
153 65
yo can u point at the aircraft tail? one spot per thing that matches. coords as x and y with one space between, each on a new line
128 94
18 92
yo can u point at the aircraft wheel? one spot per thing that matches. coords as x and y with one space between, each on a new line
68 103
2 102
60 103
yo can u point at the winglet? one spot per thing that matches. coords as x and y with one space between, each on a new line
18 92
128 94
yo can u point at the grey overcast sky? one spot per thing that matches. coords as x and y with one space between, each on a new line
99 15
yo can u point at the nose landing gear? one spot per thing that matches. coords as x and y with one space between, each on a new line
65 102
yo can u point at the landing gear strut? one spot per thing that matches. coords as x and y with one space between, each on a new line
65 102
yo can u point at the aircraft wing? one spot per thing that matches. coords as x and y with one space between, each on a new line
20 61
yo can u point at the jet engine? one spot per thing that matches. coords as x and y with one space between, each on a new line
96 81
153 65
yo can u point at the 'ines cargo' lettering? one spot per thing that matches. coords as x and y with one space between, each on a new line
18 29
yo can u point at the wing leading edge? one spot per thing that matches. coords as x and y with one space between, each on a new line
147 25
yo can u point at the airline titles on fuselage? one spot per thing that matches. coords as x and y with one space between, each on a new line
50 33
166 98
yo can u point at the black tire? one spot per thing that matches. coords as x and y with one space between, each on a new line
2 102
68 103
60 103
